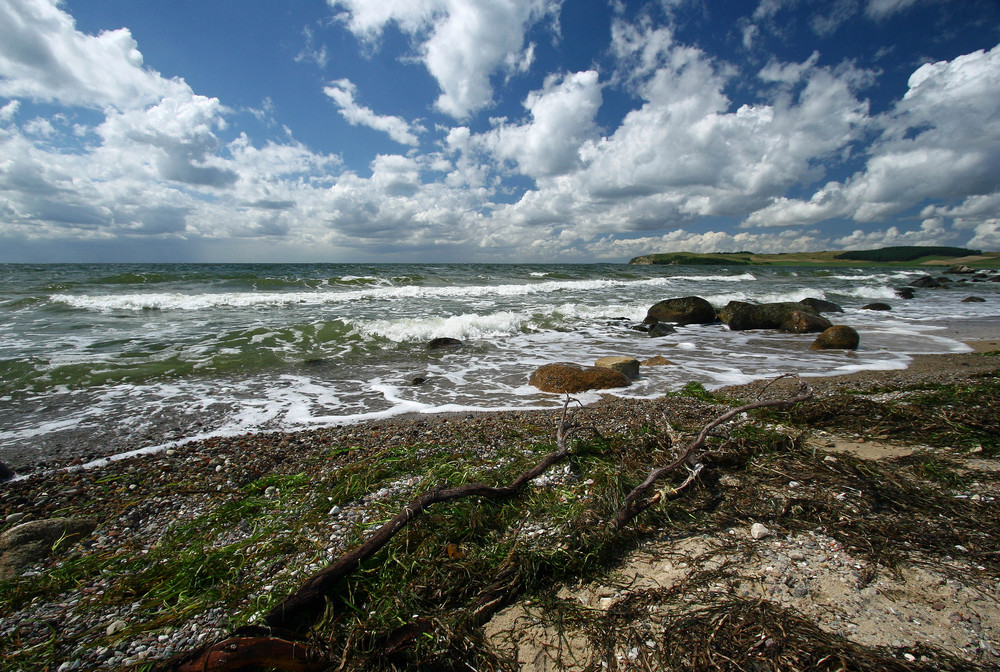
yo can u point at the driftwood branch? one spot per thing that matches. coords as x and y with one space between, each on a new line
238 653
689 455
297 612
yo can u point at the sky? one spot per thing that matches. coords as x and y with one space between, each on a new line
494 130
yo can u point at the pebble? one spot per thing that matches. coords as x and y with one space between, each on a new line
760 531
116 627
15 517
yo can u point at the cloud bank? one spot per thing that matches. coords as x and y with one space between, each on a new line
661 145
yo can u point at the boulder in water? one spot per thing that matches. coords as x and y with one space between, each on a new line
925 281
686 310
740 315
876 306
660 329
564 377
837 337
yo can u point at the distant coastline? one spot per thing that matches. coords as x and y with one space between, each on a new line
911 256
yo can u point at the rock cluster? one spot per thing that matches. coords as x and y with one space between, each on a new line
797 317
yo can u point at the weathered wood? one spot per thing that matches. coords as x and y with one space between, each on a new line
242 653
297 612
310 600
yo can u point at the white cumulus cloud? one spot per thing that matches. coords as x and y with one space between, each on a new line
343 93
940 141
562 119
43 57
460 42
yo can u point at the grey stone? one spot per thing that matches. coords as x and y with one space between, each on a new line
31 542
660 329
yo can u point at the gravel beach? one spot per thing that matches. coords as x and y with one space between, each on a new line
130 506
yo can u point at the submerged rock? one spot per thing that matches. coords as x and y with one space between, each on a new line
837 337
567 377
876 306
444 342
973 299
660 329
657 360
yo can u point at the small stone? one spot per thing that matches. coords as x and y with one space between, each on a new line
14 517
801 589
334 511
116 627
759 531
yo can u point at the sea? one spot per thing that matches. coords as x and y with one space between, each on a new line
105 359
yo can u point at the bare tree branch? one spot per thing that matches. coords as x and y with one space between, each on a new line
297 612
690 454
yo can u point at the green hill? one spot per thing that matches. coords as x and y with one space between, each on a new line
888 256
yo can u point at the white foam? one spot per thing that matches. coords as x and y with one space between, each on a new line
205 301
871 292
463 327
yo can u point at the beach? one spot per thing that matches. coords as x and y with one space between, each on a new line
280 515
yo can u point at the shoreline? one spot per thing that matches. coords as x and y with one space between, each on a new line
139 503
980 335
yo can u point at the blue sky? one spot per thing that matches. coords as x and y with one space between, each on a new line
494 130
